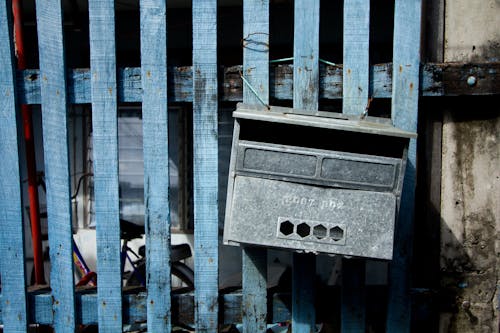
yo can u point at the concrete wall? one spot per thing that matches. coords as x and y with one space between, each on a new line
470 190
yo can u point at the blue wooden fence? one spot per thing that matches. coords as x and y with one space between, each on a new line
59 86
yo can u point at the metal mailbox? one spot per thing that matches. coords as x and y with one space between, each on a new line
317 182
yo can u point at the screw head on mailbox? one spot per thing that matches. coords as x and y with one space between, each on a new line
318 182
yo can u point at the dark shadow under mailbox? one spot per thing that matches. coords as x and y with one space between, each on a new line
317 182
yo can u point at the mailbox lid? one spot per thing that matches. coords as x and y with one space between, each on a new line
309 218
330 120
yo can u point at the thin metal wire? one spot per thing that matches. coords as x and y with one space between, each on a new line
254 91
291 58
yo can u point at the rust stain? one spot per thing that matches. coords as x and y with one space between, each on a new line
152 302
44 78
148 74
348 71
110 90
210 260
411 86
400 68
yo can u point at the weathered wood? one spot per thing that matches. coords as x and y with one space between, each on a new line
105 150
405 94
134 305
305 96
306 54
256 72
356 56
12 270
55 144
205 164
355 102
438 79
156 179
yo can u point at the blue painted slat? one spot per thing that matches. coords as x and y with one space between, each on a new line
354 102
256 71
155 143
406 60
13 301
205 163
256 50
356 56
55 144
306 54
105 150
305 96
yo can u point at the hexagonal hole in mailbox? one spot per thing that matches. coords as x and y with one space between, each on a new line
319 231
303 229
286 228
336 233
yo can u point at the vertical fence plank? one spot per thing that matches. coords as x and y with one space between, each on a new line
256 71
14 305
356 56
305 96
156 181
406 61
55 144
105 150
205 163
306 55
355 98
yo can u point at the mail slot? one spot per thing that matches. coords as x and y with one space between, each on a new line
318 182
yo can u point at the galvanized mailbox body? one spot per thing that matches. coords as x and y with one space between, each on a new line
322 182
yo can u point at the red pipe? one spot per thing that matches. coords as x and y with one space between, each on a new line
36 234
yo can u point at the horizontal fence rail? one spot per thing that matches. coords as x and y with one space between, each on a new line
436 80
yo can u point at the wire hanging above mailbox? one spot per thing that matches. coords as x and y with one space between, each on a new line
317 182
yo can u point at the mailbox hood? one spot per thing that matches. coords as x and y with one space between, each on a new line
321 119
